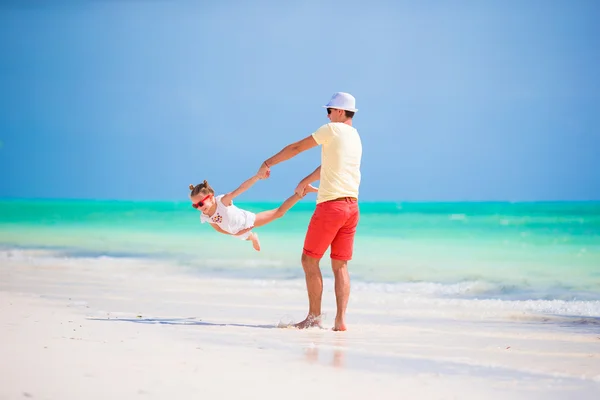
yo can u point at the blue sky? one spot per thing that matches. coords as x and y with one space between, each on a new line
459 100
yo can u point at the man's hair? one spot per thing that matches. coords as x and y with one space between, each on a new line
349 114
203 188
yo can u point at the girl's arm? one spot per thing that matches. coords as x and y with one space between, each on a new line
226 199
218 229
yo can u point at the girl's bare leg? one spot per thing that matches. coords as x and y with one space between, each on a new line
265 217
255 243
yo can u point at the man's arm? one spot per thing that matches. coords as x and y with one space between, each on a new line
312 177
226 199
286 153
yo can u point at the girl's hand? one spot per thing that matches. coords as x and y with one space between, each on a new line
265 175
264 171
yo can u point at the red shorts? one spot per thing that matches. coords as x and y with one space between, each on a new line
333 223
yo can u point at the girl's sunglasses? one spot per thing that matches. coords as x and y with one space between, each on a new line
201 202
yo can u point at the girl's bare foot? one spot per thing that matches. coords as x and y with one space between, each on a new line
255 241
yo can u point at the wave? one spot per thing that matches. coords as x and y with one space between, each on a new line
475 295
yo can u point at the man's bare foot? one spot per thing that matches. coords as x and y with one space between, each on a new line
309 322
255 242
339 325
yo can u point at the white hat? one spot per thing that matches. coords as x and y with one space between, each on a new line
342 101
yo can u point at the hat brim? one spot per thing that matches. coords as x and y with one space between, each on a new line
340 108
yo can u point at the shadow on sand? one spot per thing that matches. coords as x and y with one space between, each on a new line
180 321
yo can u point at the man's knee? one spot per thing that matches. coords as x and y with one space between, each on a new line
309 263
338 265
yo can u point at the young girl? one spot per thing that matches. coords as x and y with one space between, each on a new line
226 218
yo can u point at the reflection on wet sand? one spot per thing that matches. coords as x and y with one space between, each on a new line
332 352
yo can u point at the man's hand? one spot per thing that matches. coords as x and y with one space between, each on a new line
264 171
300 189
310 189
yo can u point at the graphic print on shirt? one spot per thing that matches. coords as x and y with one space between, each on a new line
217 218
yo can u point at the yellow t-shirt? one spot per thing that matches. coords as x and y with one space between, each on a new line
341 153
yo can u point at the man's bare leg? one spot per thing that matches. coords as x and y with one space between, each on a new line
342 292
314 287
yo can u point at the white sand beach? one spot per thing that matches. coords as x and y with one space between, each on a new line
121 329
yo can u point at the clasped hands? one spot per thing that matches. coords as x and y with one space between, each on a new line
301 190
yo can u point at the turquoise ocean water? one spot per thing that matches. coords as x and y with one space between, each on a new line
504 251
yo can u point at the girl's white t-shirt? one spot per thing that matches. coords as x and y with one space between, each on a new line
230 218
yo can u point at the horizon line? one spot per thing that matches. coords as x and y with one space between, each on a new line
381 201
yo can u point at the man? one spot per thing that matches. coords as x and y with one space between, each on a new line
336 215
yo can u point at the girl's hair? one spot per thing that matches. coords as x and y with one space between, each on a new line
203 188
